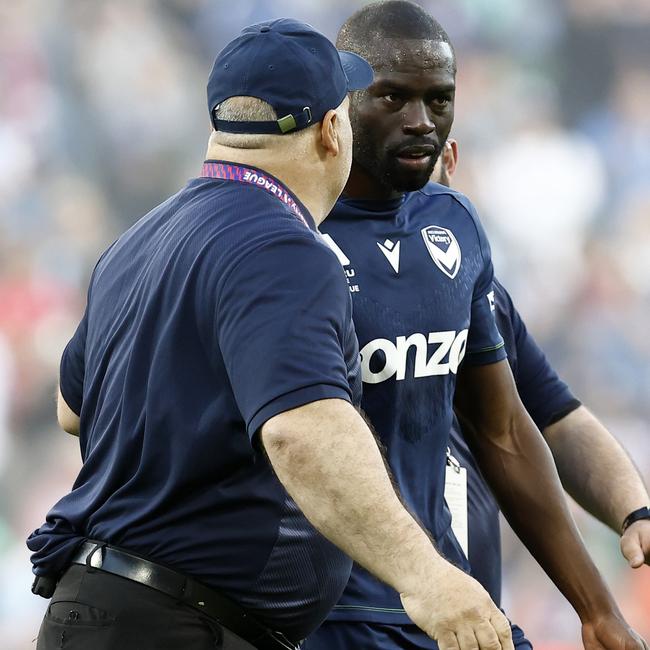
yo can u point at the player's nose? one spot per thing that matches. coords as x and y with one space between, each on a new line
417 119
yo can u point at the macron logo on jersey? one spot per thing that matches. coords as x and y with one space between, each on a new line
438 353
443 248
391 253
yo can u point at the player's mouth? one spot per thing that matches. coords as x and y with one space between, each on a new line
416 157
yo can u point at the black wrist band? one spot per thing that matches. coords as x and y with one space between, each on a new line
636 515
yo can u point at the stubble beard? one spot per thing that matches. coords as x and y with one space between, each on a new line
384 168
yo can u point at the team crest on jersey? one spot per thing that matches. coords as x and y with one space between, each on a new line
443 248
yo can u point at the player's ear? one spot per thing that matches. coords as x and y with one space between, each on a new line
330 126
450 156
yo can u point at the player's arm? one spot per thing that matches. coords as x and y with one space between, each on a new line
593 466
518 465
283 329
597 472
67 418
510 450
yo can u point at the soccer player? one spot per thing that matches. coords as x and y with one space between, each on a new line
418 266
591 463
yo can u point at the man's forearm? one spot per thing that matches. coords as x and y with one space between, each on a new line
519 468
530 495
329 462
594 469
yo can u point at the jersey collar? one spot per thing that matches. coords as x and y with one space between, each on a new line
229 171
364 208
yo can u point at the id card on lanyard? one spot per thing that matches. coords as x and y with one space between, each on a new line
456 498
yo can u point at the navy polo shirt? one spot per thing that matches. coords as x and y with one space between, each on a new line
546 398
216 311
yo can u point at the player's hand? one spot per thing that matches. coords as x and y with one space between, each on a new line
455 610
635 543
611 632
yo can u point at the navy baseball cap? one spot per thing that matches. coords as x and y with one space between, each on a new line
289 65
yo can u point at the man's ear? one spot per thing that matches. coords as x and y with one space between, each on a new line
329 132
450 156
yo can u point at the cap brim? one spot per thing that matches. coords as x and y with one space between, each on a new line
357 70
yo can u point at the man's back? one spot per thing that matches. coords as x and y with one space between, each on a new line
171 469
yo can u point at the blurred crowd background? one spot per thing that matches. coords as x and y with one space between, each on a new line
102 115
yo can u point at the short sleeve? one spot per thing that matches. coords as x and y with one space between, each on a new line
484 342
71 375
546 397
282 318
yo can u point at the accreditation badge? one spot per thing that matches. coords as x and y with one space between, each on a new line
456 498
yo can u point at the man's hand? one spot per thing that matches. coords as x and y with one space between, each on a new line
635 543
611 632
458 613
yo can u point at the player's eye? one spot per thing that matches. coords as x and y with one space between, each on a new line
393 98
441 101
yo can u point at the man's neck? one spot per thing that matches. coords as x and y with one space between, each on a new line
362 185
299 177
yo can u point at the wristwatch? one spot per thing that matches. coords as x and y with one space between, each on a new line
636 515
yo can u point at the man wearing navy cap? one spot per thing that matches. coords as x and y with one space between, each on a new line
216 356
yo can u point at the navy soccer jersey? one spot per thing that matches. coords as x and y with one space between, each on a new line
546 398
218 310
420 275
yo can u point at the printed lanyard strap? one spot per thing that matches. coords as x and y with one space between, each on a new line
239 174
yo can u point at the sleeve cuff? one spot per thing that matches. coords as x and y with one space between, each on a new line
69 393
558 413
486 356
294 399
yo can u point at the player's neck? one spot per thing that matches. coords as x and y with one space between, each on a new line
300 179
362 185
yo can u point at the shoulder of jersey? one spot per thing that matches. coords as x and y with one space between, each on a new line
434 190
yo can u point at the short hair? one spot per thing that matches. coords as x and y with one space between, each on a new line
247 109
364 31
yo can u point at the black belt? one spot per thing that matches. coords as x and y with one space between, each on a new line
97 555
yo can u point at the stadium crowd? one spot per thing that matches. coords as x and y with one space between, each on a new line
101 117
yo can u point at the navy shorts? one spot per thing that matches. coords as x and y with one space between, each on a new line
358 635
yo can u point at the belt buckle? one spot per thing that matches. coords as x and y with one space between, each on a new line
91 562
